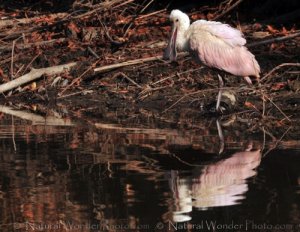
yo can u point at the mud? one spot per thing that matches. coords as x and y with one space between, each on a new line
160 90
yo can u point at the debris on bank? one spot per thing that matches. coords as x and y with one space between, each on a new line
108 55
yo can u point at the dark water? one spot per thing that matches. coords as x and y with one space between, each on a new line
111 178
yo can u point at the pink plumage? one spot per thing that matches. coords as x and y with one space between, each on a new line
225 32
214 44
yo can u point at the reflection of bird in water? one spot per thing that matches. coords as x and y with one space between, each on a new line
215 44
219 184
224 182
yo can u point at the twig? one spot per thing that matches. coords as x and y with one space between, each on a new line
12 58
76 93
141 17
20 69
13 133
30 63
185 162
278 67
277 39
93 53
107 34
227 10
278 108
177 74
127 63
148 4
132 62
104 6
35 74
277 142
78 78
129 79
264 104
143 94
150 14
175 103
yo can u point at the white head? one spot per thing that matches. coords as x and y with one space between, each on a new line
180 23
180 19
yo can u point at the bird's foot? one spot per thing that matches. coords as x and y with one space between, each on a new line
248 80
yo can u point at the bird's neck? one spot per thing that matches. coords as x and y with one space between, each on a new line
182 40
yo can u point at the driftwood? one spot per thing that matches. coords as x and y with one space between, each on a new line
35 74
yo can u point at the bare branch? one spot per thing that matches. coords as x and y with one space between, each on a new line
35 74
277 39
227 10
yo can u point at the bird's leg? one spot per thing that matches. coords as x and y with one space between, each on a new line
221 85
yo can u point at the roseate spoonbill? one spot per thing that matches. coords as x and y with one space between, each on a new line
213 43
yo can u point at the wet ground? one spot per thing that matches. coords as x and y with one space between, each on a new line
141 147
97 39
59 174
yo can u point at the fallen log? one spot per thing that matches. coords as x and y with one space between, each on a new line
35 74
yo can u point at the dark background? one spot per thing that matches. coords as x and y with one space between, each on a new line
276 11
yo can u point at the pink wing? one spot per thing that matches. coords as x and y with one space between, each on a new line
225 32
220 46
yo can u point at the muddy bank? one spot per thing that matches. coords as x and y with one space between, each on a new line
107 34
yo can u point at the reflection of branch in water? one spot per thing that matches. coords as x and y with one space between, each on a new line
187 163
35 118
221 137
264 140
106 126
13 132
221 85
266 132
277 142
